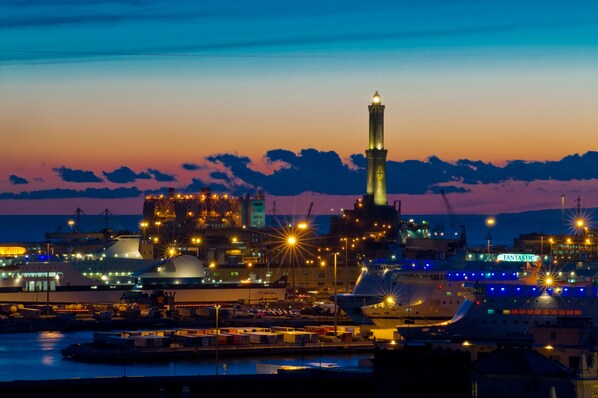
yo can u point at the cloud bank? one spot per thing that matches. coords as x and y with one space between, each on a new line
311 171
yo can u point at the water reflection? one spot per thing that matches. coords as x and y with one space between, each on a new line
49 340
48 360
37 356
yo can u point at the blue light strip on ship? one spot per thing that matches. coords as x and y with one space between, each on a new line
536 291
482 276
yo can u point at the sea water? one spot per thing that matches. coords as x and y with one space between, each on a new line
31 228
37 356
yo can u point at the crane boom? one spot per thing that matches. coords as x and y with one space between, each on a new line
452 217
309 210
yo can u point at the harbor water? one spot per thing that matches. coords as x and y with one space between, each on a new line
31 228
37 356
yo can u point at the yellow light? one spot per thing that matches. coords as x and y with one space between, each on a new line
548 281
579 223
212 265
376 99
390 300
490 221
302 225
292 240
235 239
323 263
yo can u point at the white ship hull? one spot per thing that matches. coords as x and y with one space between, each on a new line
255 293
109 280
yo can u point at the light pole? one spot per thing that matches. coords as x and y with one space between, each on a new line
291 242
334 291
346 284
48 289
217 307
490 222
196 242
335 298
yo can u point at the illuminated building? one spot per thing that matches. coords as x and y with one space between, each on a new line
217 227
560 247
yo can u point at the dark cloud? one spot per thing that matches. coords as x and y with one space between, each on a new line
218 175
94 193
324 172
73 175
16 180
239 166
197 185
124 175
190 166
161 177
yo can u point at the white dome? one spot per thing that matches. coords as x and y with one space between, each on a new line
184 266
187 266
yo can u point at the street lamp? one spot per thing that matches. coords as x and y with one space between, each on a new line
217 307
335 298
196 242
490 222
143 226
334 293
292 241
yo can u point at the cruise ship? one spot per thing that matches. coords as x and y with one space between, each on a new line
506 312
117 272
426 291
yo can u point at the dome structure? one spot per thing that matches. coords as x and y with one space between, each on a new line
180 267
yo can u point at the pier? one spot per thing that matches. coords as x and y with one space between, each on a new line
130 346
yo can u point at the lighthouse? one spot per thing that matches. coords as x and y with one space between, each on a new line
376 154
371 214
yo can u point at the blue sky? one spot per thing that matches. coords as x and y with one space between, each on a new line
129 91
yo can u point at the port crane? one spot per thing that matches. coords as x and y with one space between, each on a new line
453 219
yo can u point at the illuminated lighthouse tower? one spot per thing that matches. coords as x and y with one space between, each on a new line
371 215
376 154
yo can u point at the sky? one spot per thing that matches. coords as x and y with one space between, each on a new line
492 102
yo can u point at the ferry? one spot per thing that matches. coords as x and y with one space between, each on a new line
426 291
117 273
505 312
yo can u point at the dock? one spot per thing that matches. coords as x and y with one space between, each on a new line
90 353
131 346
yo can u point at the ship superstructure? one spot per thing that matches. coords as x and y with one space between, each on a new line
425 291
